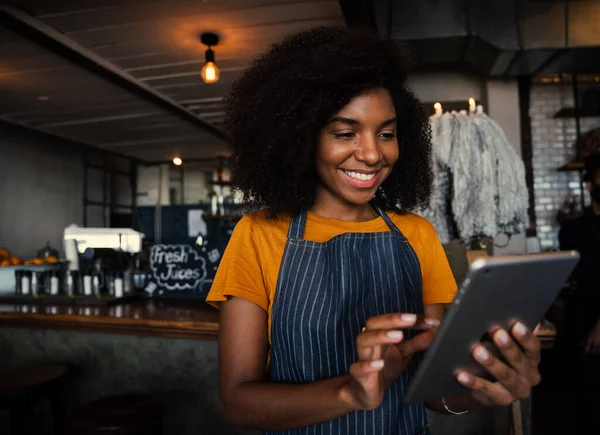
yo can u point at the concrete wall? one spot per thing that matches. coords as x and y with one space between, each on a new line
447 87
41 190
182 374
503 107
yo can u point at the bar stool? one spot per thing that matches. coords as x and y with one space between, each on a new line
133 414
22 388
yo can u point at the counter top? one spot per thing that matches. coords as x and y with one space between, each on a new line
168 318
174 318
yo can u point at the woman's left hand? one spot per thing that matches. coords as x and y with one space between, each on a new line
516 377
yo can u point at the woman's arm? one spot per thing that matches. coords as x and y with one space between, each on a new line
249 400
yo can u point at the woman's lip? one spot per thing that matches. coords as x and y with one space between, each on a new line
362 184
360 171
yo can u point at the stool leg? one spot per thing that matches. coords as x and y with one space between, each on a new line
57 403
19 423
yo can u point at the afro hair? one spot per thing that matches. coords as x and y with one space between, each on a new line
278 107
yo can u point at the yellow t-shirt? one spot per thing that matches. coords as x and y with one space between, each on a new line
250 266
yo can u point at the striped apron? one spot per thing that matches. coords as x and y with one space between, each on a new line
325 294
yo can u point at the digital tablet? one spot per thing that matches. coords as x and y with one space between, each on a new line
496 291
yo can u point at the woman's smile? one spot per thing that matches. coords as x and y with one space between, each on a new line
361 179
356 152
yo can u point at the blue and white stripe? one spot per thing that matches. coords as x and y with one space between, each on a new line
325 294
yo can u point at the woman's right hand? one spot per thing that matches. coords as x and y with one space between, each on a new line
383 355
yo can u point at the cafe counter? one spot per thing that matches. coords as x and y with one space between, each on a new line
169 318
167 349
164 348
192 319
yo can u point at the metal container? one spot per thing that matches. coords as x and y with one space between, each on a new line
8 282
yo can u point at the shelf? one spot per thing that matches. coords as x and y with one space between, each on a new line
571 112
573 166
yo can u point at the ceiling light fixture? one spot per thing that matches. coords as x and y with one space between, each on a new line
210 71
177 161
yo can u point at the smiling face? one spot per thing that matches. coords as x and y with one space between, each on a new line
356 152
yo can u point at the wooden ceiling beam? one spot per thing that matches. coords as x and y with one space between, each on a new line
34 30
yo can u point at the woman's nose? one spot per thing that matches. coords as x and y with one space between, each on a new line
368 150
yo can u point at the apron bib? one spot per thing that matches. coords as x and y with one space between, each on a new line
325 293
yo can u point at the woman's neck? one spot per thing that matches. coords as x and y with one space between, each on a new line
330 206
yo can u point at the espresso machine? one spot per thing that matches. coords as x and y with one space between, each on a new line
103 261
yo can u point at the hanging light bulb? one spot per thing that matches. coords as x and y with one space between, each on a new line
210 71
472 105
177 161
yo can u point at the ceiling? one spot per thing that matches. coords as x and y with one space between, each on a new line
123 75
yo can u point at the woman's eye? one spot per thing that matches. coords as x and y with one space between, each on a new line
347 135
388 135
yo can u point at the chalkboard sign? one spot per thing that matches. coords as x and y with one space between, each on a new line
182 271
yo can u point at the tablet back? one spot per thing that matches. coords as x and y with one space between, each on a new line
496 291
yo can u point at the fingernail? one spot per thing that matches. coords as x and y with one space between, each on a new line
409 317
377 364
432 322
520 329
395 335
463 378
482 354
502 337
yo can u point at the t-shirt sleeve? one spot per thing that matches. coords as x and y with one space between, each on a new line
439 285
240 273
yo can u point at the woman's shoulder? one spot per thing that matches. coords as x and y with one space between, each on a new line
262 222
411 221
419 231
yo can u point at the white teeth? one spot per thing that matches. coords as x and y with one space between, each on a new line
359 176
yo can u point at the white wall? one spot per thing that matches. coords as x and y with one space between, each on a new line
553 145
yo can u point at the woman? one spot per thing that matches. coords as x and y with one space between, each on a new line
329 293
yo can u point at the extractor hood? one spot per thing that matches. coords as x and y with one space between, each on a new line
497 37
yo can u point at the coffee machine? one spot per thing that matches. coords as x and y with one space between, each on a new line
102 261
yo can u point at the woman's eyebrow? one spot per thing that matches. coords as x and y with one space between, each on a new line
343 120
388 122
351 121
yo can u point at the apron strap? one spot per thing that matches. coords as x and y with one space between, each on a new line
386 218
296 231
